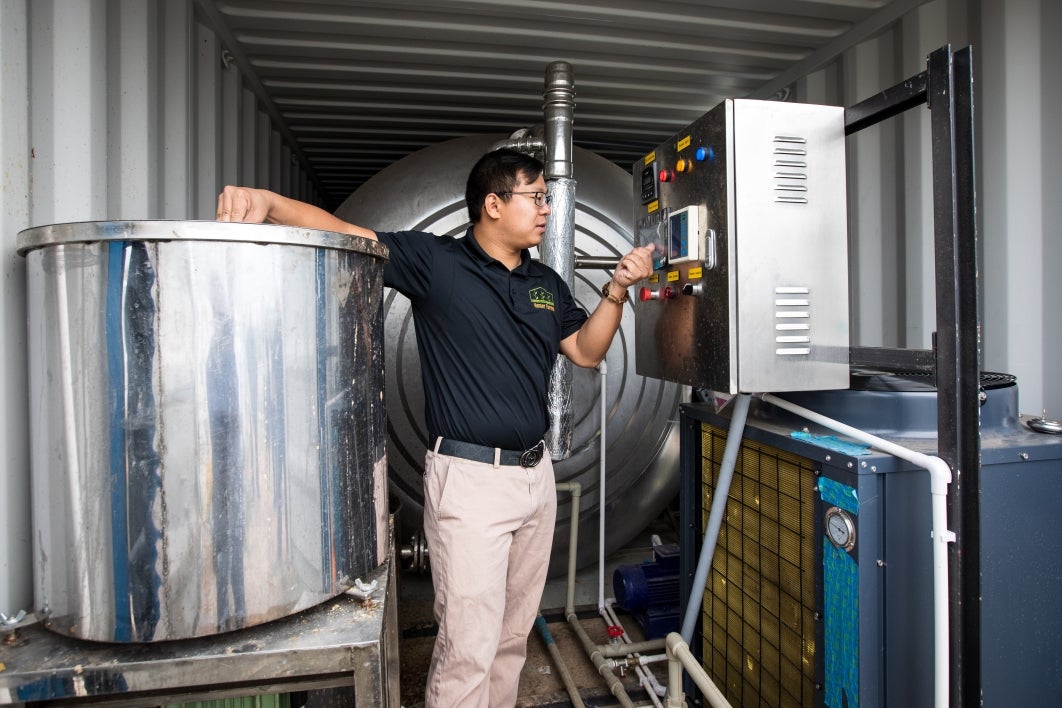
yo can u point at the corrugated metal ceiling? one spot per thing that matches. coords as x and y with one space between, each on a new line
359 85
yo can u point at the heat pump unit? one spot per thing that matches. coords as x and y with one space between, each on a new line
820 589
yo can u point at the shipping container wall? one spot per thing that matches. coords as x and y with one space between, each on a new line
109 110
1018 154
130 109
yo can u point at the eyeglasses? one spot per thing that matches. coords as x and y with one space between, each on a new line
541 199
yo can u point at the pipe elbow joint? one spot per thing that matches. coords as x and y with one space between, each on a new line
939 475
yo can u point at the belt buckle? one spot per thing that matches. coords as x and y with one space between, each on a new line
532 456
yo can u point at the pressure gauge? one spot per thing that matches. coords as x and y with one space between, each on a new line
840 528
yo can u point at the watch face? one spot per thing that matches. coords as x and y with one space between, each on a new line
840 528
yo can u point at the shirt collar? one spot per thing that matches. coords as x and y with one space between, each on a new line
483 258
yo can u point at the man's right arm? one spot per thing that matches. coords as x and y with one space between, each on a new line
246 204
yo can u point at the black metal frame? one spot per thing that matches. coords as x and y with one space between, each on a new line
946 86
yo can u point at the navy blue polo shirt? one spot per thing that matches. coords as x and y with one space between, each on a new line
487 337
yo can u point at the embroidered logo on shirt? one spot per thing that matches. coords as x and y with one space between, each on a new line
541 299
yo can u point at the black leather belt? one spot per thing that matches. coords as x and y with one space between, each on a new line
480 453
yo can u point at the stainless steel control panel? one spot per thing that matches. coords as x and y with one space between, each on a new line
746 210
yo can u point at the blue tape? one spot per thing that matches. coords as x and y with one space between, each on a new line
832 442
840 495
840 580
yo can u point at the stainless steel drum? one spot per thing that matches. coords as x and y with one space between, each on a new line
426 191
207 423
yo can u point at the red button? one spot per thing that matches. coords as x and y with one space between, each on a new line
667 176
646 294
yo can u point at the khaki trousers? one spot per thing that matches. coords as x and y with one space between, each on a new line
489 531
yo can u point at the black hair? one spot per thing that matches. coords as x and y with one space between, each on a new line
497 172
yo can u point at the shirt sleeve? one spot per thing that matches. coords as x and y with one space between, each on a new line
572 316
409 266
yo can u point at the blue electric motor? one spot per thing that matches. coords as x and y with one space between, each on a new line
650 591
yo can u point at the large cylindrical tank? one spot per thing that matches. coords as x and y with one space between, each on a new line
425 191
207 423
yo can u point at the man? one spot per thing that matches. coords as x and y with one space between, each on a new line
489 324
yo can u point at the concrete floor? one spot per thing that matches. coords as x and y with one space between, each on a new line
540 683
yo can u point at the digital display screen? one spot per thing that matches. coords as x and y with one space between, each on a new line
650 186
679 246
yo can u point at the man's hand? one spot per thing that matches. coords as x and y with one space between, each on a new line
244 204
635 266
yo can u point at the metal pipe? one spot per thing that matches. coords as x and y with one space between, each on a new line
558 249
521 142
558 243
639 660
598 262
558 108
939 479
715 517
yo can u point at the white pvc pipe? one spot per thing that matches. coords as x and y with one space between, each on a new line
939 479
593 652
645 677
602 369
648 680
679 657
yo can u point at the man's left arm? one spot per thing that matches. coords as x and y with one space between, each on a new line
588 345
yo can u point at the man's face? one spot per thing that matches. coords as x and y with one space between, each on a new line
523 221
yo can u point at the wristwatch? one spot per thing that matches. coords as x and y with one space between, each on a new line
612 298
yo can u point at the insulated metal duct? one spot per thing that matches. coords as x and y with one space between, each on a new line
425 191
558 252
558 243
